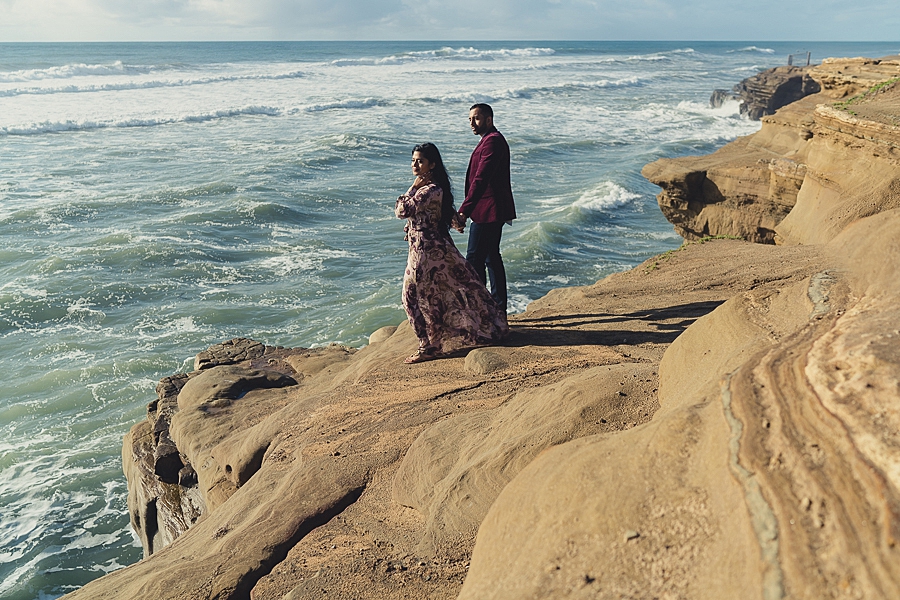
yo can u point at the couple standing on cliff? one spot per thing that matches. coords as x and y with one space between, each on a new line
444 294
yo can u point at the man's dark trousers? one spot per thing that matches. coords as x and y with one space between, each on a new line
484 251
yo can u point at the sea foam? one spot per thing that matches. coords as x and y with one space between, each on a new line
146 85
754 49
71 70
446 53
605 196
86 125
351 104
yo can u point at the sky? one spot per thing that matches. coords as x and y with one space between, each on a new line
232 20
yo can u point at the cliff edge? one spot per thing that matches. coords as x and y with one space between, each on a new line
747 188
718 422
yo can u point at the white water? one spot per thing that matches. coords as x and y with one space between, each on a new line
158 198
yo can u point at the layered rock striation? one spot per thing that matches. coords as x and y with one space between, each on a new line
748 187
719 422
769 90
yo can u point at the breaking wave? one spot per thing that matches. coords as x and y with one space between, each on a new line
72 70
365 103
199 117
530 91
605 196
144 85
446 52
86 125
753 49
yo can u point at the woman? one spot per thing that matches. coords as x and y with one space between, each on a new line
448 306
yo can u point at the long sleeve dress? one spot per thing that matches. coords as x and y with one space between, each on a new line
447 304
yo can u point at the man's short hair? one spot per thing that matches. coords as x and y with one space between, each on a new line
484 108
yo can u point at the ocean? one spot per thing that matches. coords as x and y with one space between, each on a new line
156 198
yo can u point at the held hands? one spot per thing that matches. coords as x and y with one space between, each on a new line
458 222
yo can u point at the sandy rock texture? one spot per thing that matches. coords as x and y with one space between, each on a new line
368 478
718 422
747 188
837 189
769 471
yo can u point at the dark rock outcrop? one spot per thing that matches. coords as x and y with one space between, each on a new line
229 353
164 499
766 92
720 97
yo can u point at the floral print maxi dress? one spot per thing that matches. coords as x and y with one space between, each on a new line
448 306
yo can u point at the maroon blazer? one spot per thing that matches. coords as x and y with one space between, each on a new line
489 197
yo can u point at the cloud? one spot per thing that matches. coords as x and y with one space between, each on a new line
106 20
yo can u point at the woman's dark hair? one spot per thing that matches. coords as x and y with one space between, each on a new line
441 178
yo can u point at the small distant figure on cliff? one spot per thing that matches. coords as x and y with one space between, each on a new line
489 201
448 305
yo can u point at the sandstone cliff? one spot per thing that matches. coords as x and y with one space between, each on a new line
748 187
719 422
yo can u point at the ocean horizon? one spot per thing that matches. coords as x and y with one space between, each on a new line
160 197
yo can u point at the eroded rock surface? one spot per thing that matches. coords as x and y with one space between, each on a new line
369 478
719 422
769 471
839 189
747 188
167 494
767 91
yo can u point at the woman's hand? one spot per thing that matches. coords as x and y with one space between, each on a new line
422 180
458 222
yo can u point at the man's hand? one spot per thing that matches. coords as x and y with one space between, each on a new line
458 222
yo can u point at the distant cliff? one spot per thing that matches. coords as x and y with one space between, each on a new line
722 421
747 188
767 91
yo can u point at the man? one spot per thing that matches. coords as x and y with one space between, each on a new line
489 201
